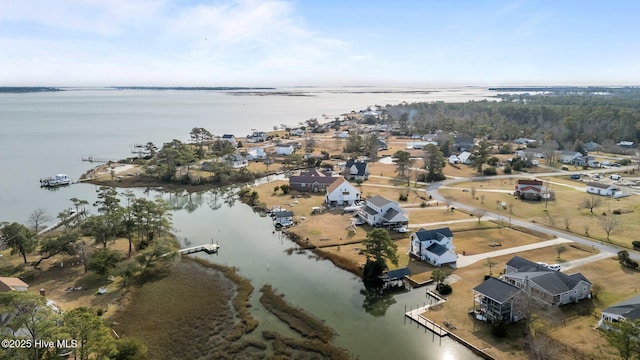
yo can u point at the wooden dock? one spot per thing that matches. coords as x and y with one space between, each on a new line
207 248
57 224
98 159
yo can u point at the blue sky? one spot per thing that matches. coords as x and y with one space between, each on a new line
304 42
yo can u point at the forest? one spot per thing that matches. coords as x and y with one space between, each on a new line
558 118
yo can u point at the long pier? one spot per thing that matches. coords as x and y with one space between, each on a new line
97 159
62 222
207 248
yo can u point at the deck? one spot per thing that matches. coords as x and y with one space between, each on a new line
207 248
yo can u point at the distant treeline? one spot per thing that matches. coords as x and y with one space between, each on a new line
559 119
190 88
27 89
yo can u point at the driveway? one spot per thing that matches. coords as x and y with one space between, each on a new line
466 260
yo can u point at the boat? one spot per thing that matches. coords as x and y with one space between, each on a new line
58 180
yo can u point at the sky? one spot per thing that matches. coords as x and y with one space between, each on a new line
319 42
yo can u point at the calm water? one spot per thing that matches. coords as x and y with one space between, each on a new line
48 133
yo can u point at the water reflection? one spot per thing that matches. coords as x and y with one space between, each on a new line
190 202
378 299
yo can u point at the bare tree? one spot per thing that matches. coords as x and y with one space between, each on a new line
473 192
39 217
490 263
592 202
482 199
479 214
560 249
567 222
609 224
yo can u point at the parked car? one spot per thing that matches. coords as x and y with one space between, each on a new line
615 177
401 229
554 267
575 176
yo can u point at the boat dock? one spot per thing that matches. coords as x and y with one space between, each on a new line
92 158
208 248
67 220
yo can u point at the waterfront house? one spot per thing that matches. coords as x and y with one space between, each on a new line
625 310
378 211
496 300
529 189
603 189
551 287
296 132
230 138
382 145
356 170
282 218
433 246
284 149
341 193
519 264
625 144
312 181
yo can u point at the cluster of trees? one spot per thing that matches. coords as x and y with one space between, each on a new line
362 145
86 334
433 164
561 119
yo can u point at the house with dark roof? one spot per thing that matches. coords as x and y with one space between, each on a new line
229 138
433 246
341 193
496 300
257 136
572 158
312 181
591 146
552 287
356 170
378 211
463 143
282 218
529 189
236 161
392 278
625 310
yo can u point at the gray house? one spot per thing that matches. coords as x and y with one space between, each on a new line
625 310
496 300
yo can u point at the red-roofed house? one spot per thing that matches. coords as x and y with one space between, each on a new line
529 189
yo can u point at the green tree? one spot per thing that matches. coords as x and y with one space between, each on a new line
94 340
623 336
434 162
162 250
378 248
151 149
438 276
172 155
198 136
20 239
479 154
131 349
403 161
104 260
30 312
62 244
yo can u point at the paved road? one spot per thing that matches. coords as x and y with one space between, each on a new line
432 189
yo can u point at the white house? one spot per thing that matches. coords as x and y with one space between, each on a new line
625 310
453 159
230 138
603 189
256 154
341 193
284 149
433 246
257 136
571 157
296 132
356 170
237 161
464 157
379 211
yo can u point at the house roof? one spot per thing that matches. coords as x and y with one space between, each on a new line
497 289
281 214
461 139
599 185
284 145
227 136
396 274
393 215
529 182
11 283
435 234
370 210
629 308
437 249
464 156
378 201
524 265
361 166
336 183
312 176
554 282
